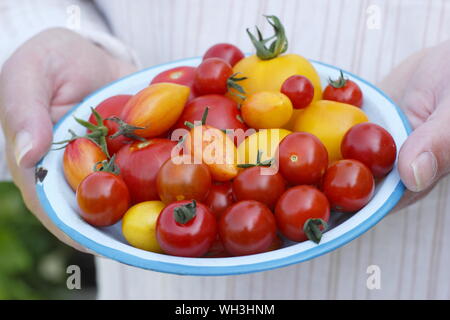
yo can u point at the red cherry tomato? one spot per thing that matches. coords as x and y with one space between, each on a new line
112 107
299 90
139 164
303 159
103 198
183 181
223 113
186 229
211 77
348 185
247 227
345 91
181 75
296 207
225 51
372 145
220 197
250 184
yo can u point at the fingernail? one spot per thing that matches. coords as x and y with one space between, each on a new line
22 145
425 170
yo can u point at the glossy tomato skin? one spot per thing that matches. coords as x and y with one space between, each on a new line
348 185
296 206
211 77
112 107
372 145
223 112
192 239
183 181
103 199
350 93
299 90
80 157
303 159
183 75
139 165
247 227
250 184
219 198
225 51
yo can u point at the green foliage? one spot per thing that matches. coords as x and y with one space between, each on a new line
32 261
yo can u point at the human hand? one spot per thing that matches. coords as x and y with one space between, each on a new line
38 84
420 86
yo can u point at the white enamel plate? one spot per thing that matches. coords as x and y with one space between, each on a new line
58 199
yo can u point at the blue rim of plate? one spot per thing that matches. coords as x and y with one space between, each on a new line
197 270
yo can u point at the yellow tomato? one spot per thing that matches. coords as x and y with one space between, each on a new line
329 121
139 225
265 141
215 149
269 75
266 109
156 108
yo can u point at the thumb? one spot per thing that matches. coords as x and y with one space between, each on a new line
24 110
425 156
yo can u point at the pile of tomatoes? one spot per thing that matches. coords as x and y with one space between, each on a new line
230 157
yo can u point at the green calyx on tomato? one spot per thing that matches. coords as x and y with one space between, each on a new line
204 118
125 129
314 228
107 166
232 83
259 163
279 44
339 83
185 213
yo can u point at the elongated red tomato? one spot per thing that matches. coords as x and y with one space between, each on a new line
80 157
247 227
186 229
300 209
372 145
103 199
303 159
183 181
183 75
226 51
139 165
348 185
112 107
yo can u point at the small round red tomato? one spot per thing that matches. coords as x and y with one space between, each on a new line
299 211
112 107
348 185
299 90
225 51
223 113
186 229
250 184
183 75
344 90
247 227
183 180
220 197
372 145
103 198
303 159
211 77
139 164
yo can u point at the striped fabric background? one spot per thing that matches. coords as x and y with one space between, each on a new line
367 37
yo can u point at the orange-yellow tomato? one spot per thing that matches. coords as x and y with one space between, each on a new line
156 108
266 110
139 225
329 121
215 149
80 157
